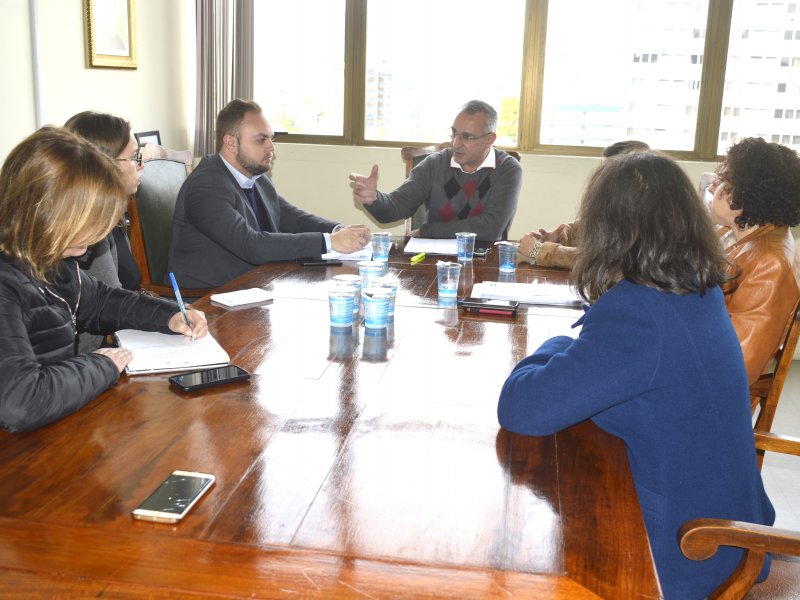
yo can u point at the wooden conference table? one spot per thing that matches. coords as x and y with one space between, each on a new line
348 467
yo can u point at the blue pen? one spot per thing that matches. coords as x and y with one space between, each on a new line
180 300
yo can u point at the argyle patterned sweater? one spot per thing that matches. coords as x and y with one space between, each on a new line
483 202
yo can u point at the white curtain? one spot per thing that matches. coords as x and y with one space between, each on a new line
224 63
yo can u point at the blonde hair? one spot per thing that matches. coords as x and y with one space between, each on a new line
56 190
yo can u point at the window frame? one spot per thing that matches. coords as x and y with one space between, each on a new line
709 110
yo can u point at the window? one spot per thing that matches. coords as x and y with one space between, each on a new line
288 76
567 76
425 59
760 86
591 65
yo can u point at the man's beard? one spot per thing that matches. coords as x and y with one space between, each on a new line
252 167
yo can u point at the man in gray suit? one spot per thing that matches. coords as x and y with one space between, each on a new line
229 217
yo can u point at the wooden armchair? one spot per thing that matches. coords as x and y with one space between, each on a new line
412 156
150 212
700 538
766 390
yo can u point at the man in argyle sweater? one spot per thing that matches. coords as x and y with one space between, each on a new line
471 186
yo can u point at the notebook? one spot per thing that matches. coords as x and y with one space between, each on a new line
242 298
528 293
155 352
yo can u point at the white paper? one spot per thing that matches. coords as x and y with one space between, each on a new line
431 246
242 297
364 254
528 293
155 352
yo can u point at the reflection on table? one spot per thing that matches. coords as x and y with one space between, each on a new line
354 464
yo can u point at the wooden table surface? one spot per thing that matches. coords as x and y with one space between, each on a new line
352 466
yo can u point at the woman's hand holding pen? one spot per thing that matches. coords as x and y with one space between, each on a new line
197 319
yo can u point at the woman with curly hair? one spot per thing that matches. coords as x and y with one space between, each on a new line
757 196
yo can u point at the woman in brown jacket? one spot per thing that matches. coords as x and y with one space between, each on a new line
757 196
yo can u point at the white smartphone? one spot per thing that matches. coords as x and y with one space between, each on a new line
175 497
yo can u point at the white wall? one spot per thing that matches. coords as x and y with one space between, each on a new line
160 95
154 96
316 177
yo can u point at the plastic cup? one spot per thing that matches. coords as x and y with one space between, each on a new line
508 257
448 274
340 300
466 245
381 244
351 280
369 269
388 282
376 307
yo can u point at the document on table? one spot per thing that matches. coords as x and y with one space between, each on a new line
364 254
431 246
242 298
155 352
549 294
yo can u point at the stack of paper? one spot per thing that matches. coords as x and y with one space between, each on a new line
528 293
242 298
431 246
155 352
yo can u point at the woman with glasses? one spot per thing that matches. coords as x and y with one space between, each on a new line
58 195
756 195
111 260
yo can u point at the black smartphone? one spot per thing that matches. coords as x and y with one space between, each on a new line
175 497
481 252
486 306
196 380
318 262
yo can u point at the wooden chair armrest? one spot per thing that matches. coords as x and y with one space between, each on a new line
700 538
775 442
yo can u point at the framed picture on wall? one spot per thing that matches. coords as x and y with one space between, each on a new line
110 33
148 137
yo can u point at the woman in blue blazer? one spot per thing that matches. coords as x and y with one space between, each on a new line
657 363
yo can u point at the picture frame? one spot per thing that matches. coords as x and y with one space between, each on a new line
110 33
148 137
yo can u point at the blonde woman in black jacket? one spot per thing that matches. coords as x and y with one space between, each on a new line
58 195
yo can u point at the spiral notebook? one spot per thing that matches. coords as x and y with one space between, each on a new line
155 352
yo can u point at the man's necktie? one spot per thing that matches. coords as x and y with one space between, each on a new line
258 209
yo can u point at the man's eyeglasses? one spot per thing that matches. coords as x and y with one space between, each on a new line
137 158
465 136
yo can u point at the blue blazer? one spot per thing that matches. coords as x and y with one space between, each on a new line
215 234
663 372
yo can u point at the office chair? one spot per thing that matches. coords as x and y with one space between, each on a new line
151 211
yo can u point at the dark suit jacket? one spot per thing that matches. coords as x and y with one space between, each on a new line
215 236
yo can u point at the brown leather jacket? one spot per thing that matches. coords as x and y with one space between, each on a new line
762 298
563 253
